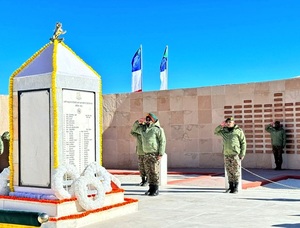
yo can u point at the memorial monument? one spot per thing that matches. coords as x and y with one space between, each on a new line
55 152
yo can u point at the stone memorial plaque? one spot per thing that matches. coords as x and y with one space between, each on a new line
34 138
79 128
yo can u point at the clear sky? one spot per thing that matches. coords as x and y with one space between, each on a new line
211 42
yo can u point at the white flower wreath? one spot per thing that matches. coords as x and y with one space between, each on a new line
82 187
4 188
115 180
96 170
59 185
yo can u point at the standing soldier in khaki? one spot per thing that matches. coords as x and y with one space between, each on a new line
278 140
139 149
234 150
154 145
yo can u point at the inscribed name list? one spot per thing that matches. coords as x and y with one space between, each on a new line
78 128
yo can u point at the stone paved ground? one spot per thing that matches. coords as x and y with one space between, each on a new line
193 199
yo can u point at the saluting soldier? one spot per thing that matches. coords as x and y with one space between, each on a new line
234 150
278 141
154 145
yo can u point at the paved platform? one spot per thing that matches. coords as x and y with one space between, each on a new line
196 198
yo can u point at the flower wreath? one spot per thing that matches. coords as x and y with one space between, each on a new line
96 170
82 185
115 180
59 182
4 176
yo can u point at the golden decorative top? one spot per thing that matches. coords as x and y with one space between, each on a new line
57 32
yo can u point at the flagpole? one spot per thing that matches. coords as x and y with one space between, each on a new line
167 50
141 67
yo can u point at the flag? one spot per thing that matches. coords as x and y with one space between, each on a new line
136 64
164 71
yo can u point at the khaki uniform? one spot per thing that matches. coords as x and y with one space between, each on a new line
139 148
278 140
153 145
234 149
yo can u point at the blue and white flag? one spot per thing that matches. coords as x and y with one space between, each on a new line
164 71
136 64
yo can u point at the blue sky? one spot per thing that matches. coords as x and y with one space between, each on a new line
211 42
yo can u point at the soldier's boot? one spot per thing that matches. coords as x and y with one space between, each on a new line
279 166
230 189
235 187
154 191
150 189
144 181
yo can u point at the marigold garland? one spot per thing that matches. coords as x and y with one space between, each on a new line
54 106
11 117
100 100
5 225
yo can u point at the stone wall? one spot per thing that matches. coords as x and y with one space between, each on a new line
189 117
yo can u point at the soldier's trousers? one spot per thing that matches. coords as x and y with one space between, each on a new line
141 165
152 168
277 152
232 166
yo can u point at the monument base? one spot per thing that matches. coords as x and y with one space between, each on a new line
66 213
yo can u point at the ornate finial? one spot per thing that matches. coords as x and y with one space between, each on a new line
57 32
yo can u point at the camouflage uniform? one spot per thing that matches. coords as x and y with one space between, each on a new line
139 151
153 144
152 168
278 140
234 149
232 165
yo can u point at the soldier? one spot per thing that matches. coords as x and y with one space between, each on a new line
278 141
154 144
139 149
234 150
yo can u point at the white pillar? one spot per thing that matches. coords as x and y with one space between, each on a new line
240 179
163 170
